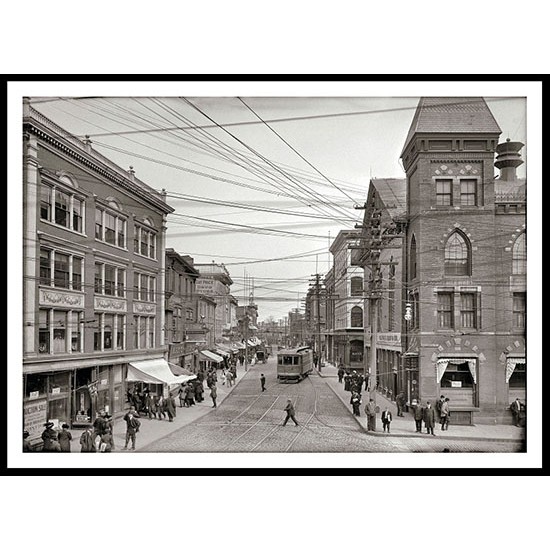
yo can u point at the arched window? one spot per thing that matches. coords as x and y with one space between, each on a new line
413 258
356 317
457 255
356 286
519 256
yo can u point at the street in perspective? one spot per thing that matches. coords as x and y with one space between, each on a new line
274 275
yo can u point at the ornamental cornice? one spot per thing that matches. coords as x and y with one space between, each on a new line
69 299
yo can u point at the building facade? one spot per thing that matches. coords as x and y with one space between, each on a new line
347 334
93 265
465 269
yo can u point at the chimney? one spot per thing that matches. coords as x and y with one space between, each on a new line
508 159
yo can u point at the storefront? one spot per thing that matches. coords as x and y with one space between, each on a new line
457 378
209 359
516 378
74 396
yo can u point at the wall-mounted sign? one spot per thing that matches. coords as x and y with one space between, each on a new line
56 390
34 417
456 383
104 381
34 395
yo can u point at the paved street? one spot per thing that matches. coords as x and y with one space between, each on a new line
249 420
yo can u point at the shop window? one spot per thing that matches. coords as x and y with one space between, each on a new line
457 376
356 351
457 255
445 315
35 385
518 380
83 413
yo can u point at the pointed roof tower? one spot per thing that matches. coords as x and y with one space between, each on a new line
452 115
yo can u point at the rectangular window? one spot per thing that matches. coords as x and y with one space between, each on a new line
59 331
99 224
75 331
468 192
152 245
108 327
444 192
121 321
143 279
45 267
61 270
121 281
45 202
151 342
98 279
519 309
144 242
109 280
121 232
77 215
77 273
97 332
44 331
110 228
62 208
136 332
143 333
152 289
137 231
445 310
468 310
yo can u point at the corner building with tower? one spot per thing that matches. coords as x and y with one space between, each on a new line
464 262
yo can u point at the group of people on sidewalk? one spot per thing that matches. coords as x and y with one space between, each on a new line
99 436
430 415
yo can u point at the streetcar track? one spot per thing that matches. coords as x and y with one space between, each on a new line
251 427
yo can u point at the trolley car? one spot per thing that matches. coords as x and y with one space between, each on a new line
294 364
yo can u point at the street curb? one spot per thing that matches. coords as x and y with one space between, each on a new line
421 436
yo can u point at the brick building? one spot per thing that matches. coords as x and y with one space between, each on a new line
465 261
93 283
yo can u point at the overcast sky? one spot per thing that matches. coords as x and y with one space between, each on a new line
311 167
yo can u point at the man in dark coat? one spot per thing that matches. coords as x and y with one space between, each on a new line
400 402
429 418
418 416
386 419
87 441
341 373
213 395
170 408
370 410
347 382
132 427
262 382
198 391
355 403
515 407
289 408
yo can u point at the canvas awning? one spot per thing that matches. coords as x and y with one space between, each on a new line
180 371
153 371
221 352
211 356
441 367
511 363
239 345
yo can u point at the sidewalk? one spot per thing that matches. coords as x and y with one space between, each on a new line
153 429
405 426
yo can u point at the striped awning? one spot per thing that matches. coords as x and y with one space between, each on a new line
211 356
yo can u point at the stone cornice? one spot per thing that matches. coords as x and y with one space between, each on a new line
55 136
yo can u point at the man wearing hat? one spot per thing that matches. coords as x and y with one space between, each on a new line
49 436
27 447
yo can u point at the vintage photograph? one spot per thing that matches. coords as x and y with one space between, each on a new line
274 274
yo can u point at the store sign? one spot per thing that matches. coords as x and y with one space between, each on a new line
176 350
34 418
389 340
34 395
456 384
104 382
56 390
92 387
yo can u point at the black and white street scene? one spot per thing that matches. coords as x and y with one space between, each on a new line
282 274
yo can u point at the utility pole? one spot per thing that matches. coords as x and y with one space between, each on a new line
318 314
245 321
